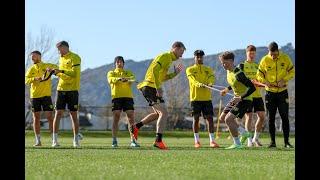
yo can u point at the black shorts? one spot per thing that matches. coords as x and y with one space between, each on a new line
256 105
150 94
237 109
69 98
204 107
41 104
122 104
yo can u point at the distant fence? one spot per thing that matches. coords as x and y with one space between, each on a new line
100 118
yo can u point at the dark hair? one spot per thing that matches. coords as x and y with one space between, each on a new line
62 43
273 46
36 52
227 55
198 53
118 58
178 44
251 48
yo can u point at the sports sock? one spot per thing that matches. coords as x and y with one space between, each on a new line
158 137
139 125
256 135
211 136
55 137
241 130
196 137
236 140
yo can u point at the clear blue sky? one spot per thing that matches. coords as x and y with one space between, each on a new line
99 30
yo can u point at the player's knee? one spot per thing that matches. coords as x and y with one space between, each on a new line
222 117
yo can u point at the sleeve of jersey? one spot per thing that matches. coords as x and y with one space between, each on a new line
28 77
75 67
261 73
131 76
244 80
290 71
171 75
211 78
191 78
53 66
111 78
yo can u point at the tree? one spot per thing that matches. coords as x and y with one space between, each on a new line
44 43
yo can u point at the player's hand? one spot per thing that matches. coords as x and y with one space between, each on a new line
281 83
236 99
49 69
37 78
178 68
224 91
159 92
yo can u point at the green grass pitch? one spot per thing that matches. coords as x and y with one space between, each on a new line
97 160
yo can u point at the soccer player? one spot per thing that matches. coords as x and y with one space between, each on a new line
250 68
275 70
200 97
67 91
40 93
237 107
151 89
120 81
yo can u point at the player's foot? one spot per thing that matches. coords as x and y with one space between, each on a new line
76 144
244 137
135 132
235 146
134 144
55 144
272 145
288 145
114 144
37 144
197 144
256 143
213 144
160 145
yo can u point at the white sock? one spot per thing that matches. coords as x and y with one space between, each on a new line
55 137
236 140
75 138
256 135
196 137
37 138
211 136
241 130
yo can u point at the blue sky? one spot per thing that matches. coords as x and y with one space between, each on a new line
99 30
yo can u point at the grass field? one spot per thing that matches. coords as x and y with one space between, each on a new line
97 160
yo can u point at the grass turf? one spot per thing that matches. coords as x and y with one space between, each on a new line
97 160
